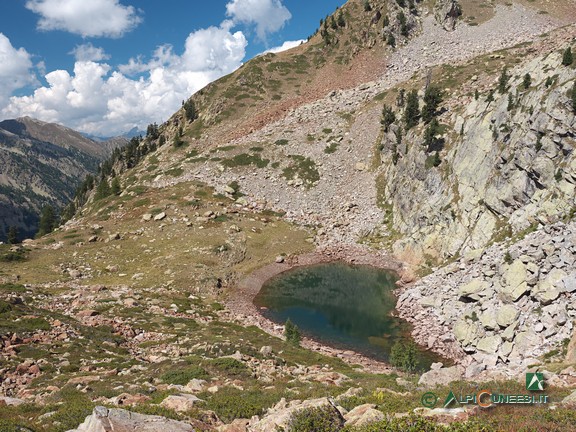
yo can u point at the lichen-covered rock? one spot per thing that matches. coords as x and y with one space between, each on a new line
105 420
515 281
443 376
363 415
506 315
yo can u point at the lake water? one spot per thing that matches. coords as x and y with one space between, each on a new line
340 305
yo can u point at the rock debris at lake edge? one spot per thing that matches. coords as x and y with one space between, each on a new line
496 311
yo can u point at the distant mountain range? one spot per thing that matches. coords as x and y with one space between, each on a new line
134 132
42 163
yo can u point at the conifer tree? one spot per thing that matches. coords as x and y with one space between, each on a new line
567 58
527 81
432 99
388 117
12 235
412 112
47 221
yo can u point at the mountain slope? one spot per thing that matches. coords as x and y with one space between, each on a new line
42 163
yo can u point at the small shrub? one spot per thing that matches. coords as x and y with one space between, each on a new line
230 366
76 407
292 333
508 258
567 58
5 307
245 159
403 356
183 376
281 142
331 148
231 403
317 419
527 81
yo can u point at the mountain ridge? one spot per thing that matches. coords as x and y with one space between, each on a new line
42 164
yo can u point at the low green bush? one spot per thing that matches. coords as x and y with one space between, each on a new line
184 376
317 419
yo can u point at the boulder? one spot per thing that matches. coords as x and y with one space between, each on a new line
5 400
442 376
363 415
569 282
514 281
447 13
465 332
550 288
160 216
506 315
489 344
278 417
488 319
473 288
570 400
195 385
180 402
104 420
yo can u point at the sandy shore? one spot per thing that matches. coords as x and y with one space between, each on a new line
240 301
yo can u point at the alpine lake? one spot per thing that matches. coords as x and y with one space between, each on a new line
345 306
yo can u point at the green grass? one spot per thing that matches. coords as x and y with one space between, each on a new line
185 375
245 159
331 148
303 168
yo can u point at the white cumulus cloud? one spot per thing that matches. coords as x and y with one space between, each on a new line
268 16
88 52
88 18
106 100
99 100
285 46
15 68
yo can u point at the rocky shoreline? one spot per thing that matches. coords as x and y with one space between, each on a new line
243 310
502 310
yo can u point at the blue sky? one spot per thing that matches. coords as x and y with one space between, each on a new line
106 66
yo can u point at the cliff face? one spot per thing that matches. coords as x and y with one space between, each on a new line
41 163
507 164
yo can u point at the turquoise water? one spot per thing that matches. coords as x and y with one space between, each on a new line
340 305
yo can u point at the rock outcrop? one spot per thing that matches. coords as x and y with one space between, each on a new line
106 420
447 13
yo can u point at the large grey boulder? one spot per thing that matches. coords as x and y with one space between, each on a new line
473 288
443 376
551 287
278 417
506 315
118 420
515 281
363 415
447 13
